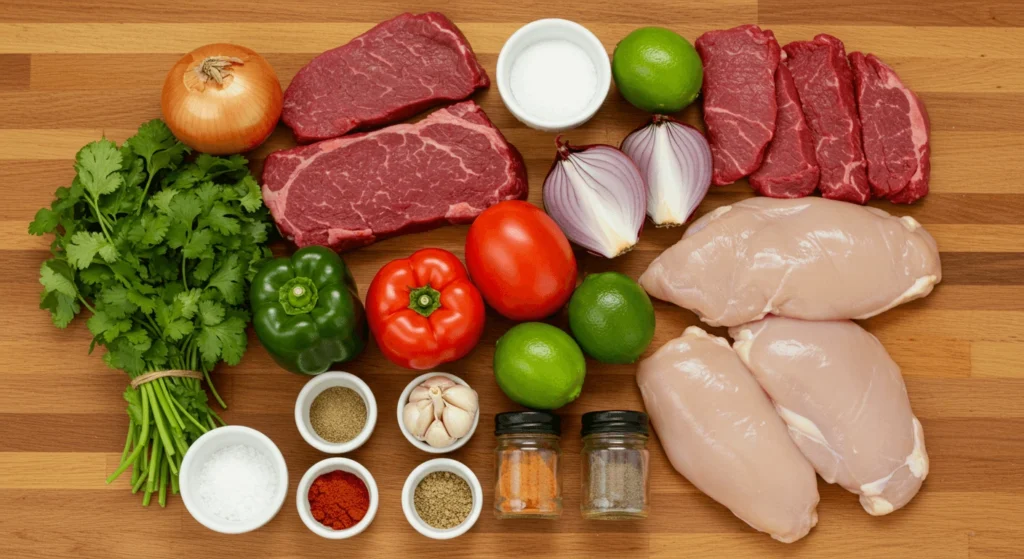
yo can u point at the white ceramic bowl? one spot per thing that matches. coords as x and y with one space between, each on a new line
329 465
404 399
199 453
313 388
546 30
441 465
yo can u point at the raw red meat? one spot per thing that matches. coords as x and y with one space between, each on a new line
790 169
894 127
825 84
354 190
739 97
393 71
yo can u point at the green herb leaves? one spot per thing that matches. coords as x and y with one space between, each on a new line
160 251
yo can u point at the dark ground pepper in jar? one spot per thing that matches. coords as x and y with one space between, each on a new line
527 477
616 465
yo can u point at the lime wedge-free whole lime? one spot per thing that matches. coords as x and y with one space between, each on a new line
539 366
657 70
611 317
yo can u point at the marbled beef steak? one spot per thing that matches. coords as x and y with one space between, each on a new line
354 190
393 71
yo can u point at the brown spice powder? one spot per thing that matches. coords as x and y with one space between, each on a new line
443 500
338 414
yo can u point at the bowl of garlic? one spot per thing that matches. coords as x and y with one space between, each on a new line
438 412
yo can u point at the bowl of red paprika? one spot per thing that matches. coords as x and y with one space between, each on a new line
337 498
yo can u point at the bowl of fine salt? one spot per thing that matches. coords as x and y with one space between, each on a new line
233 479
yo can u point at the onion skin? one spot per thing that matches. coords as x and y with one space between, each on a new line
221 119
675 161
597 195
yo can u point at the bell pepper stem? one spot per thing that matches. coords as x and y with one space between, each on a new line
424 300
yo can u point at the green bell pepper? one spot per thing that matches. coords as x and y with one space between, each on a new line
306 311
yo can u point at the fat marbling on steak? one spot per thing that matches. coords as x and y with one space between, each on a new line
393 71
739 97
790 169
357 189
825 84
894 128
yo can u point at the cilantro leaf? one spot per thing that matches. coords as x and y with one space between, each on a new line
155 143
116 302
198 244
84 247
211 313
185 208
178 329
45 222
203 270
219 218
62 308
228 280
186 303
162 200
253 198
98 166
56 276
225 340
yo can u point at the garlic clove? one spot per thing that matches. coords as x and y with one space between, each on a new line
458 421
419 393
417 417
436 435
462 396
439 381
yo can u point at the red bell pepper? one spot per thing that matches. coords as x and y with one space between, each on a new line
423 310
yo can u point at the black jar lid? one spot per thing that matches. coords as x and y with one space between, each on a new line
616 421
536 422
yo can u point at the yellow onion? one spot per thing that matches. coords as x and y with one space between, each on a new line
222 99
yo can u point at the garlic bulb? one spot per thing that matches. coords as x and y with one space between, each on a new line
440 411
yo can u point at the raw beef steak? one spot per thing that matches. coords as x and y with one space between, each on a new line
790 169
354 190
825 84
894 127
739 97
393 71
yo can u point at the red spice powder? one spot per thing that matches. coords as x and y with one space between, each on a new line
338 499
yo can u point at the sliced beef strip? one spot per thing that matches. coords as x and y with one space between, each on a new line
824 82
894 129
790 168
739 97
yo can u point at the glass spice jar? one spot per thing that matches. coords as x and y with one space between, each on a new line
527 478
616 465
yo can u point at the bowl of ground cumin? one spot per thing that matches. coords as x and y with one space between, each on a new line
442 498
336 412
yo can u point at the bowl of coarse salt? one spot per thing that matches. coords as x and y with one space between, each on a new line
233 479
553 74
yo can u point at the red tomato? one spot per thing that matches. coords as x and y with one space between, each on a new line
520 260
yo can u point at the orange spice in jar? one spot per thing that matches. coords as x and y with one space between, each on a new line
527 477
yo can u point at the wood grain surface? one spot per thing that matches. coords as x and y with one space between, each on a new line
71 71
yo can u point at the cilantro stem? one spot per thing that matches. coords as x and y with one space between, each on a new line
128 440
162 386
213 390
190 416
162 499
85 303
158 417
154 467
145 190
143 440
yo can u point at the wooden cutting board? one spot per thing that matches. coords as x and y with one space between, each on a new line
71 71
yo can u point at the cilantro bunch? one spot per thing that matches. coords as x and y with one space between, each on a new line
160 251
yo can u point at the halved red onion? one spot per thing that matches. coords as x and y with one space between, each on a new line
596 195
675 161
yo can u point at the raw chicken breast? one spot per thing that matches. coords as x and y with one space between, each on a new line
721 432
845 403
807 258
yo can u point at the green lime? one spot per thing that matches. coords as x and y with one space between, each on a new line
611 317
539 366
657 70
